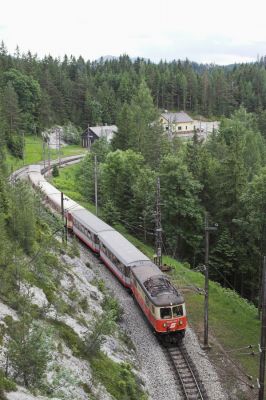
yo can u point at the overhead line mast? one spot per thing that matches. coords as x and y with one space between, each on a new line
158 227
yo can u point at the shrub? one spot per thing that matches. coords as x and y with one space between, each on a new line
70 337
55 171
84 304
110 304
118 378
5 383
29 351
103 325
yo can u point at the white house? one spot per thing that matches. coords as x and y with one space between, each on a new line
93 133
177 123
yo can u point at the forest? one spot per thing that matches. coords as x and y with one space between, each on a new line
224 176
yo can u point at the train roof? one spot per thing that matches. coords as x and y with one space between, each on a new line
157 286
34 168
90 221
125 251
55 195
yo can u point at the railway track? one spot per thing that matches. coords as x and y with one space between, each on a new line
64 161
190 385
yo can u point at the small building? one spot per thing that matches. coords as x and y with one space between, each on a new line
177 123
93 133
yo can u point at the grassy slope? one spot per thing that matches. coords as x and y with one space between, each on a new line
233 321
33 152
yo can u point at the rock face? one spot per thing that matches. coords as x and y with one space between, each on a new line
134 343
78 289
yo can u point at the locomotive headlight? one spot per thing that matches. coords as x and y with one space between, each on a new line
180 322
165 325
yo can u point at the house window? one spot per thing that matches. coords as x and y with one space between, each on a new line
179 128
186 127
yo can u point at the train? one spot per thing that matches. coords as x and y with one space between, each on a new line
159 300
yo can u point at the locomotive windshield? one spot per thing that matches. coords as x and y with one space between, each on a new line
166 312
171 312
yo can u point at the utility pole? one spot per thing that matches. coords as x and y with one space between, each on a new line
43 150
206 289
23 147
64 219
263 334
158 227
49 159
59 147
96 184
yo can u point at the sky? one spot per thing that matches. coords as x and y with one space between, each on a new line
205 31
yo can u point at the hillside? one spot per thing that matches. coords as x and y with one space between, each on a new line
234 323
59 324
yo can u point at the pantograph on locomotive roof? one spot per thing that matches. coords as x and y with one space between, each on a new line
159 285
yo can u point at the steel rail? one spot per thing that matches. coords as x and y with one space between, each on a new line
189 383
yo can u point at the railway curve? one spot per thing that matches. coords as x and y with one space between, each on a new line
19 173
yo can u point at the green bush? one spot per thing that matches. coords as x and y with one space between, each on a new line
15 145
6 384
55 171
117 378
69 336
29 351
84 304
73 250
110 304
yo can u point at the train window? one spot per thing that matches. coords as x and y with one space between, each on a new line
153 309
166 312
147 301
177 311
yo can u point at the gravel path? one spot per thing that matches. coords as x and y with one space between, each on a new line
157 373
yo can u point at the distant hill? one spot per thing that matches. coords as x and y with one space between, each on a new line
110 58
106 58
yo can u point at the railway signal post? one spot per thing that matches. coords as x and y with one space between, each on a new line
208 229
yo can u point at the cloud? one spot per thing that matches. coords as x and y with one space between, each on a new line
212 49
207 31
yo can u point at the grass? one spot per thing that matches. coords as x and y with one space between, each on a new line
118 378
33 153
70 337
233 322
66 182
